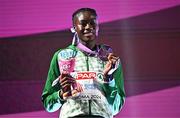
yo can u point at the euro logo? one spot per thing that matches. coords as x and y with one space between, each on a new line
86 75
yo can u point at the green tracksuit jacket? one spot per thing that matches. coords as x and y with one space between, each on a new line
111 95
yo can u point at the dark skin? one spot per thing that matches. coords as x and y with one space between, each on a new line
86 26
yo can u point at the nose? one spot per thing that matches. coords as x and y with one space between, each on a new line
88 26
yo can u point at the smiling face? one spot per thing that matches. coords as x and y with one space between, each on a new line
86 26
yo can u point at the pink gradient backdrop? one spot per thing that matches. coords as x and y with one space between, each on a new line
21 17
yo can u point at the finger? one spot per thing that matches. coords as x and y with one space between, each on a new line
107 67
74 92
65 78
61 77
113 61
67 81
112 56
64 75
66 88
66 94
79 87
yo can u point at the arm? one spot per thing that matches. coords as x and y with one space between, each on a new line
50 95
114 89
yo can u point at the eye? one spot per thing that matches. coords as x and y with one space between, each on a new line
93 22
90 22
84 23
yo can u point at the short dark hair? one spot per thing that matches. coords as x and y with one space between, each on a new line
93 11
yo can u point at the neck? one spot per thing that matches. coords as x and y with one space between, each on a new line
91 45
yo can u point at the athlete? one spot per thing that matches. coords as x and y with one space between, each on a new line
85 79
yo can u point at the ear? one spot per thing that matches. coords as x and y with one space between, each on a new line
73 29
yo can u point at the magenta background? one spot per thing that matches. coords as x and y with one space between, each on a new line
145 34
20 17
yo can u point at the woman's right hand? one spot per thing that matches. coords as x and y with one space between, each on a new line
66 82
69 86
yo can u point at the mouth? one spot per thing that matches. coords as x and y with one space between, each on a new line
88 34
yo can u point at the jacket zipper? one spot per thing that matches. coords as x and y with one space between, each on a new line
87 65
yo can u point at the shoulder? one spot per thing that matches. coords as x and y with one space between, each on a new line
67 52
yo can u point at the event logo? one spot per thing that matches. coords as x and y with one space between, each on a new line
86 75
88 82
